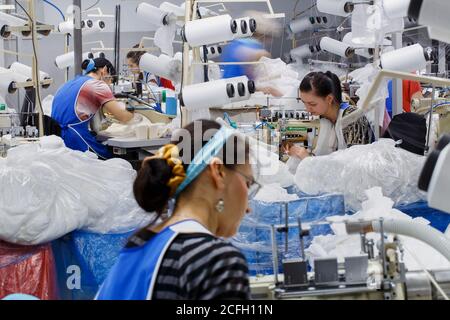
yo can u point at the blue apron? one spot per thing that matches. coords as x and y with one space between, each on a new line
133 277
75 132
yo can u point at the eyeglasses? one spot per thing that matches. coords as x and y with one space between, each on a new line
252 185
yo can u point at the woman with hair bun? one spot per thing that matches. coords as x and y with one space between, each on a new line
322 95
183 255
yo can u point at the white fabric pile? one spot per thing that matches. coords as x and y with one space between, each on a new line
274 193
49 190
128 130
360 168
341 245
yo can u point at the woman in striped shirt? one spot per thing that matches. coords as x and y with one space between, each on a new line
184 256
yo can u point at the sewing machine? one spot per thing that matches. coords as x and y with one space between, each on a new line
360 277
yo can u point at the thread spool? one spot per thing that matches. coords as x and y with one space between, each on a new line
213 52
66 27
96 26
305 24
336 47
244 88
152 14
172 8
363 52
12 21
209 30
406 59
67 60
302 52
163 66
208 94
7 81
44 33
341 8
27 71
245 27
99 55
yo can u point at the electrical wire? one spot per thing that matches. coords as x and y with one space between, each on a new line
37 73
92 6
57 9
306 10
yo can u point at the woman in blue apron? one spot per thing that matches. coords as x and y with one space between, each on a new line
321 94
77 102
182 256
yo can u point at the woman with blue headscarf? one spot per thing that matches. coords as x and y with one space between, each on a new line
182 256
77 102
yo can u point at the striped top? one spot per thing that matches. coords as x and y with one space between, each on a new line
198 267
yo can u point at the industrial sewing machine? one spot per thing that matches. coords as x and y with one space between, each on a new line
361 277
291 126
13 134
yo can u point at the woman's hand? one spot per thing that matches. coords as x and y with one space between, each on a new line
295 151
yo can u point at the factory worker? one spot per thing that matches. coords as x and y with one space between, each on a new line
251 50
322 95
133 60
77 102
184 256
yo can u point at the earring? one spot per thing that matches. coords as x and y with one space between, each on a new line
220 206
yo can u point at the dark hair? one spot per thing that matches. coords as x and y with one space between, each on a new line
100 62
136 56
150 187
323 84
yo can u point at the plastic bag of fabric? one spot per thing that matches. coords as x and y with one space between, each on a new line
49 190
359 168
341 245
27 270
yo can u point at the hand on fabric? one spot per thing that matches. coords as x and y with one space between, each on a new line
295 151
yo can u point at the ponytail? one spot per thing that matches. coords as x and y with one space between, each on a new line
337 92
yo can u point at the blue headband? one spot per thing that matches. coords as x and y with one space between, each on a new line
203 158
90 67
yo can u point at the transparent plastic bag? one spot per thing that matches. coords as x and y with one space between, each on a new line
359 168
49 190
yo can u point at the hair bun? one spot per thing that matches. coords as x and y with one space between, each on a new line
85 64
150 187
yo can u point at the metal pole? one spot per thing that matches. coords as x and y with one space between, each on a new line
35 68
77 38
430 118
442 58
397 84
274 252
66 50
185 117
